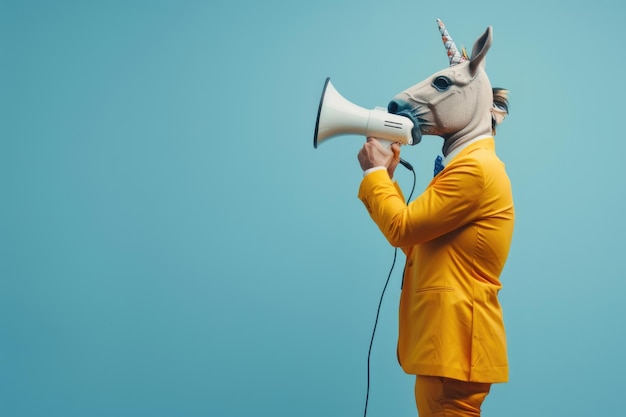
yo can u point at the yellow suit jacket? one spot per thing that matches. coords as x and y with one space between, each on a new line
456 237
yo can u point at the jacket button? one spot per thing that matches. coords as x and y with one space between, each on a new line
409 263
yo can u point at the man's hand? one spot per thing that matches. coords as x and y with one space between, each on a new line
373 154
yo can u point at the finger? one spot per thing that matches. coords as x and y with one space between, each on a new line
375 143
396 150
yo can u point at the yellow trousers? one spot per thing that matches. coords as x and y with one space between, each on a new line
445 397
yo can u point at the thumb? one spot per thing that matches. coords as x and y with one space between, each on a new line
395 159
395 148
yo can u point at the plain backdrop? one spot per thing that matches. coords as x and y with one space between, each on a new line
172 245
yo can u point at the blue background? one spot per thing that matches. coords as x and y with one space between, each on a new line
172 245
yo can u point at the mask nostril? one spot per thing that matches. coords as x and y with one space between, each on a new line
392 107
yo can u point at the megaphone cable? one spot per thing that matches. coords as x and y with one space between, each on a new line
382 295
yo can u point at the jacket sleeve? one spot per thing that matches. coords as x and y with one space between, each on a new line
451 201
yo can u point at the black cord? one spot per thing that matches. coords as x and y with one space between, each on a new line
410 168
382 295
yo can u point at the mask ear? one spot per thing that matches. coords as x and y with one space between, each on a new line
479 51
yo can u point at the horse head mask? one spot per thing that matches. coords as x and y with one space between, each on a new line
458 102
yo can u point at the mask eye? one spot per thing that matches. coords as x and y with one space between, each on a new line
442 83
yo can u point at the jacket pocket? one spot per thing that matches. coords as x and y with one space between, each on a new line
434 289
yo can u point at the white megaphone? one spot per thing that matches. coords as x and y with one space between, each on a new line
337 116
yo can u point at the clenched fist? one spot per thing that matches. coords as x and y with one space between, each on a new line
373 154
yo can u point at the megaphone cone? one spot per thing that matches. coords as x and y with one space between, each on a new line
337 116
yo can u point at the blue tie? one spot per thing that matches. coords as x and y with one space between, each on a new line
438 165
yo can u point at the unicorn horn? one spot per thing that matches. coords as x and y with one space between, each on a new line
454 55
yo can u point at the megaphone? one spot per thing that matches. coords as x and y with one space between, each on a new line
337 116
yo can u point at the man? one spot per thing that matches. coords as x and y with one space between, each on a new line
456 237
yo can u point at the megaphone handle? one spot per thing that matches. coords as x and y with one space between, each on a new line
386 143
